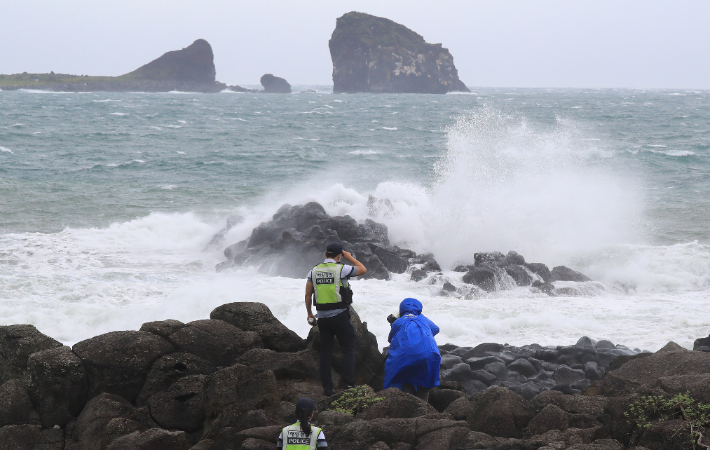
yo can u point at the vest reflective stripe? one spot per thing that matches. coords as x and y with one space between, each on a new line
326 286
295 439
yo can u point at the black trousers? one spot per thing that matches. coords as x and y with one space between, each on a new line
337 326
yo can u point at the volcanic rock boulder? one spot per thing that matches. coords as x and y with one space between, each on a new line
17 343
169 369
15 405
58 385
105 418
673 367
275 85
374 54
31 437
215 341
118 362
181 406
252 316
152 439
194 63
496 411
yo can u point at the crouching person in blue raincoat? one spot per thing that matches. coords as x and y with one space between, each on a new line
414 360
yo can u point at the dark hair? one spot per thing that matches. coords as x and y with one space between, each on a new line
304 409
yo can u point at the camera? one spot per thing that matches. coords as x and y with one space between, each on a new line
391 318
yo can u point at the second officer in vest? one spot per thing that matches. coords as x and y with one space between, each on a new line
328 289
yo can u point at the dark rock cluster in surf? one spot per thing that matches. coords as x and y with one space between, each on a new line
230 382
530 369
295 238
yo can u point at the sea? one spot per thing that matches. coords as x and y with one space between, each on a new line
108 203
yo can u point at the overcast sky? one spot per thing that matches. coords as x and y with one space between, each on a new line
541 43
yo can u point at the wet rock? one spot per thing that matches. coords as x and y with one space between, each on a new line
169 369
418 275
541 270
552 417
440 399
240 389
448 287
31 437
296 237
103 419
562 273
286 366
163 328
15 405
498 369
118 362
567 375
480 362
523 367
484 377
153 439
641 372
17 343
252 316
448 361
215 340
181 406
396 404
483 277
499 412
519 274
592 371
58 385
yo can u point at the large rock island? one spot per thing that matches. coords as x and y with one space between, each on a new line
190 69
374 54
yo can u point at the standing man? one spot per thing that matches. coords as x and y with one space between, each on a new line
328 289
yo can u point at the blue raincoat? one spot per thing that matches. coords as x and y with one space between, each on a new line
414 357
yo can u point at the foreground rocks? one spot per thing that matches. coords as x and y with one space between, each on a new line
231 382
294 240
374 54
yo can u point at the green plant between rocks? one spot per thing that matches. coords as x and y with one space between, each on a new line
355 400
650 409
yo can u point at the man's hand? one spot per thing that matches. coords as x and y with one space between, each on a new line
312 320
360 268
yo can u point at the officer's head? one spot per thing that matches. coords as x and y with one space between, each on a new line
334 250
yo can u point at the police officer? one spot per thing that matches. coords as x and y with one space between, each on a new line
328 289
302 435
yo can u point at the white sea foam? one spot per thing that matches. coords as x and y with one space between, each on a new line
673 152
118 114
364 152
5 150
390 128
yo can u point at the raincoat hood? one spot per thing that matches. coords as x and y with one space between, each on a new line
410 306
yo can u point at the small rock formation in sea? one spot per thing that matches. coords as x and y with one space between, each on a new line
294 241
275 85
374 54
192 64
231 382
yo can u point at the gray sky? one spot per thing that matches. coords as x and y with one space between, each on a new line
541 43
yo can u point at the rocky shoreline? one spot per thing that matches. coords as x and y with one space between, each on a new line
231 382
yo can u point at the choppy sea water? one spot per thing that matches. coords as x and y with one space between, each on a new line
108 201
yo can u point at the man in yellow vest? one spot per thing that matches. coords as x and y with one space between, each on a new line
328 289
